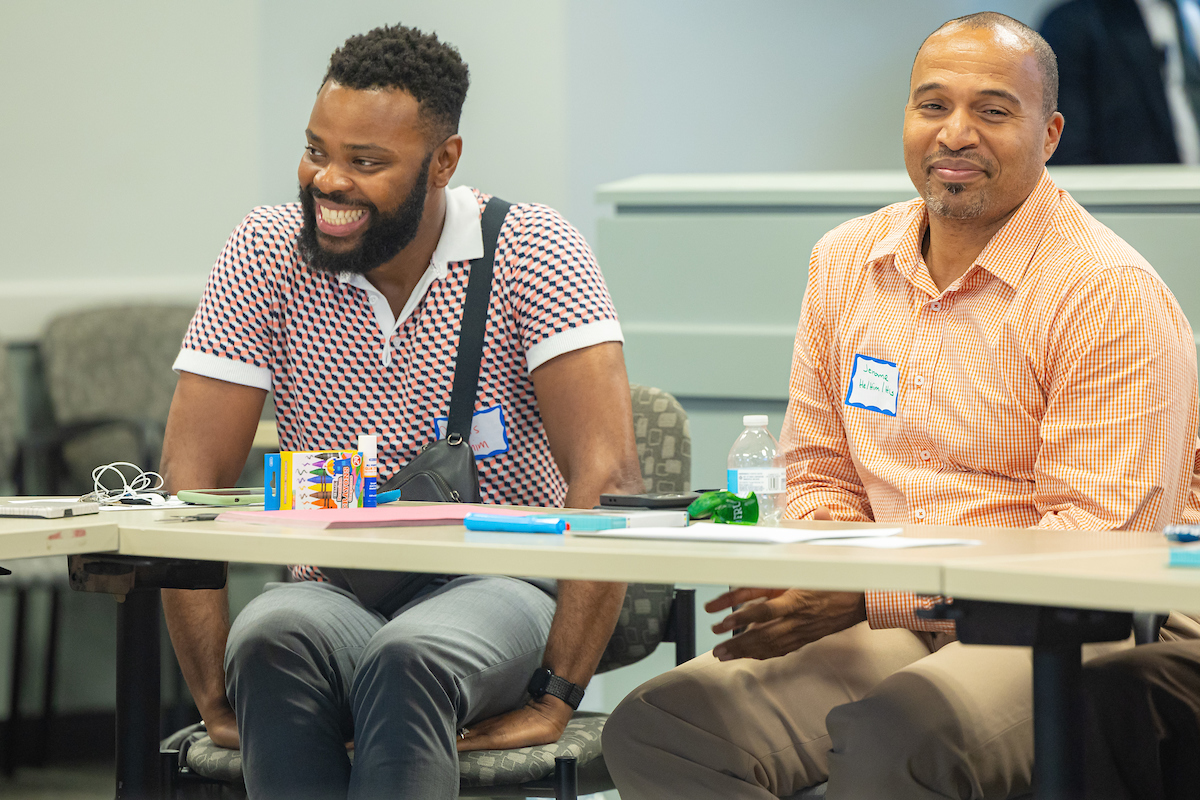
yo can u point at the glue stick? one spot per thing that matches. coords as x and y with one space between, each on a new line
368 445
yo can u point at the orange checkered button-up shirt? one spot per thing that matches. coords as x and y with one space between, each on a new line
1052 385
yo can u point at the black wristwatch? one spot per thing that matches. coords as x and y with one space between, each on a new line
546 682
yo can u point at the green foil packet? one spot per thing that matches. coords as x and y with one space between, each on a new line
725 507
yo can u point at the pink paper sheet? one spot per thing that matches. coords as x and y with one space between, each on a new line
382 517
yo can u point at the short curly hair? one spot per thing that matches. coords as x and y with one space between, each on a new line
399 57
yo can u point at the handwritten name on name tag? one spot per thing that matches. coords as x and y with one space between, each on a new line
489 435
874 385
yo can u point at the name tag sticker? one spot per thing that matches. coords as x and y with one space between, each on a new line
489 435
874 385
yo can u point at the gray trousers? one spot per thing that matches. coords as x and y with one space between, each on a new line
308 669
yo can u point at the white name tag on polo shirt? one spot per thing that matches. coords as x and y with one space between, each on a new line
489 435
874 385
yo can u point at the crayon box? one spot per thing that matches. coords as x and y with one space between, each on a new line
307 479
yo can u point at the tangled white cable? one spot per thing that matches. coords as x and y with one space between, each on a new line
140 486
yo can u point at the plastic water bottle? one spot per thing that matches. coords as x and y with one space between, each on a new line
756 465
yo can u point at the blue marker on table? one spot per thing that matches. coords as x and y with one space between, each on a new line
387 497
507 524
1182 534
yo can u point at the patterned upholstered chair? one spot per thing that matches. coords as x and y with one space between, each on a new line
108 374
664 443
652 613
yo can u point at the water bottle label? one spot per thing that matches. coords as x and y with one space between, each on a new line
761 481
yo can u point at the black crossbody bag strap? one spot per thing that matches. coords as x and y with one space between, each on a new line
473 324
444 471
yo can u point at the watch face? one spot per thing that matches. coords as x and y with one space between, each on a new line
539 682
544 682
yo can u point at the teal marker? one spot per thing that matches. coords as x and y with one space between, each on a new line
507 524
387 497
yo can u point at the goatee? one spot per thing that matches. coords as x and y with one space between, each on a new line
384 237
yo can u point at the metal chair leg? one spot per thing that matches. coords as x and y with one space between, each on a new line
47 721
12 738
566 778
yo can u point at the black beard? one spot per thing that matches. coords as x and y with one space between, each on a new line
384 237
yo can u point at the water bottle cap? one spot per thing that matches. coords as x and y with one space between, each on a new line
754 420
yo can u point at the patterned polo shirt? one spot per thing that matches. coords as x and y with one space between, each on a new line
1052 385
340 364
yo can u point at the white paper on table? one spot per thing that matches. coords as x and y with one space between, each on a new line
174 502
753 534
899 543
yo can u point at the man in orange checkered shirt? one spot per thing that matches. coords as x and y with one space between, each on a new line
988 354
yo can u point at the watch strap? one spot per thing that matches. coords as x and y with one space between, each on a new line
564 690
544 682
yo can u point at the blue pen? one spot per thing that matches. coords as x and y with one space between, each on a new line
1182 533
387 497
529 524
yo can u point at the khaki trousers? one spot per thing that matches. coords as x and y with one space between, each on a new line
880 714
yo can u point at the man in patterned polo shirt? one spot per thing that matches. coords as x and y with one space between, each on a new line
1029 369
345 305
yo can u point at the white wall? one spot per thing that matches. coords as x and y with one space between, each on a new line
130 138
137 134
760 86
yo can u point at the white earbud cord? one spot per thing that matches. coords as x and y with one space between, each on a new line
139 486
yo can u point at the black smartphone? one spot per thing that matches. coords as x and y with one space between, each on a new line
648 500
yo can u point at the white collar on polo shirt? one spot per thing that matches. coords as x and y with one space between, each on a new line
461 240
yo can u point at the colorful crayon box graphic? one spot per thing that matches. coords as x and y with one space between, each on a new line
348 481
306 479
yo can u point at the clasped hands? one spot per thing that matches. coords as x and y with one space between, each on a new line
779 621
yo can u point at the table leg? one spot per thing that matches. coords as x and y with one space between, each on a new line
138 776
1057 636
1058 772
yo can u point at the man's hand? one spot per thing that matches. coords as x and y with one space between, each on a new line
222 728
783 620
540 721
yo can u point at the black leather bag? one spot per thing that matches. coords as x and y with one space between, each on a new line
444 471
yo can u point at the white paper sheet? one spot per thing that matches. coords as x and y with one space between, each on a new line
753 534
898 543
174 502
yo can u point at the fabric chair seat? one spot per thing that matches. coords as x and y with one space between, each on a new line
581 739
209 760
480 768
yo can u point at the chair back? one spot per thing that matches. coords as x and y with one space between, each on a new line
664 448
641 626
664 444
113 363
